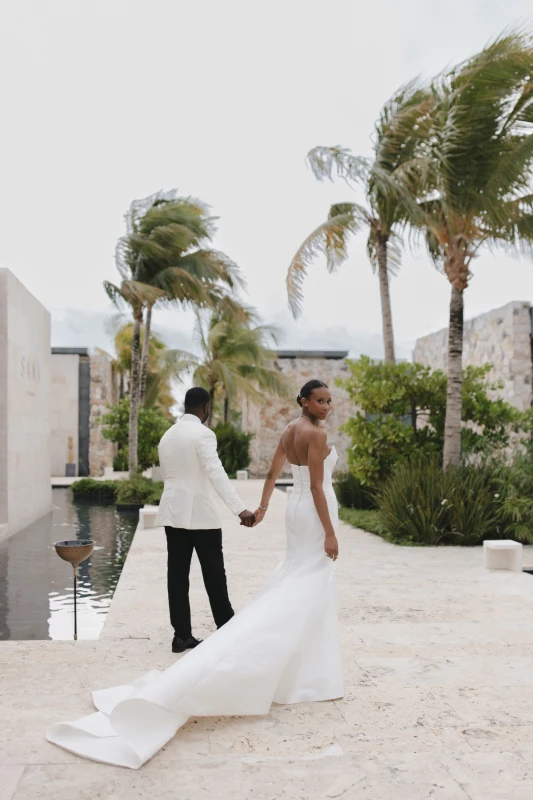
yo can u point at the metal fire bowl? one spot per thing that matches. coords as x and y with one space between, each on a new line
74 551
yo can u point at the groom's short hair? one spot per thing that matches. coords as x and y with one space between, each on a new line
196 398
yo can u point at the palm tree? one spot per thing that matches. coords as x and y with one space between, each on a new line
164 258
162 369
236 358
387 180
478 165
171 236
136 295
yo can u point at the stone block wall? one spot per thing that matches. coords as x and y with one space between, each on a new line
84 384
501 337
268 421
103 393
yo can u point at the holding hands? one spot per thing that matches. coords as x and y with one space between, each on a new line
259 515
252 518
247 518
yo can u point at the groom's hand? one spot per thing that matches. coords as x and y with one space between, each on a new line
247 518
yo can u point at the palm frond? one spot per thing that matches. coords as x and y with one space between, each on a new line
513 170
176 362
164 257
324 161
329 239
114 293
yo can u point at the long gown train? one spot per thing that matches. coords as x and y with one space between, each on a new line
282 647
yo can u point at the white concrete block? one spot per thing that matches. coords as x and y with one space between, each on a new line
25 412
502 554
108 473
157 474
242 474
147 517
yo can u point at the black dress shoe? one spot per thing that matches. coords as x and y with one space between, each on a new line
180 645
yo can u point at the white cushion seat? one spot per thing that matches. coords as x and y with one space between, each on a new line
502 554
147 517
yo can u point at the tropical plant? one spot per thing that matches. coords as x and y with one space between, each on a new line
139 490
233 447
92 488
162 369
164 258
404 412
387 180
152 426
351 493
514 494
236 358
474 171
422 503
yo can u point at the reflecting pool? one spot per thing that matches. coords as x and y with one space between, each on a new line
36 586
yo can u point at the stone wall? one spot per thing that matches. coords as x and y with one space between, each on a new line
84 384
64 410
501 337
268 421
25 367
103 393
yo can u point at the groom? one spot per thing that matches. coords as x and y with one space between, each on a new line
189 512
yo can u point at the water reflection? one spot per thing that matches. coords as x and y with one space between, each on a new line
36 587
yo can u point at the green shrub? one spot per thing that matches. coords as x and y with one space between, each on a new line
351 493
120 462
138 489
155 496
88 487
151 426
514 495
233 448
404 411
423 504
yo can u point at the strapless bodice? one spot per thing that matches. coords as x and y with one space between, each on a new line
301 475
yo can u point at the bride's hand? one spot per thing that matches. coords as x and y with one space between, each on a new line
259 515
331 546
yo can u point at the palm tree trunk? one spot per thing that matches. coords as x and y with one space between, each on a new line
386 311
226 410
454 393
212 390
144 357
134 393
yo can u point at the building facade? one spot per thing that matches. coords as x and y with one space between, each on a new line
503 338
84 384
25 492
267 421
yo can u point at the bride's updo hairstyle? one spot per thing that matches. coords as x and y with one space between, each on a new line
307 390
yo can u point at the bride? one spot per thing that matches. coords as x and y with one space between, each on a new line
282 647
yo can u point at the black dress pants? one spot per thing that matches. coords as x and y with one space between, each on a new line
208 545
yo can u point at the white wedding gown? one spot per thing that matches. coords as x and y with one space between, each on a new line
282 647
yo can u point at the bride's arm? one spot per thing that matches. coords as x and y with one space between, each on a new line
270 484
315 460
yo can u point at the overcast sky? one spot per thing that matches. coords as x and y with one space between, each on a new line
104 101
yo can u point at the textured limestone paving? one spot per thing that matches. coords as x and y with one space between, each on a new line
438 662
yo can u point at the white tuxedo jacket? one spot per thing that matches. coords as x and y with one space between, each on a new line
191 470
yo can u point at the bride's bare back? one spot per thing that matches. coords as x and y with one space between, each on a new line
296 438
